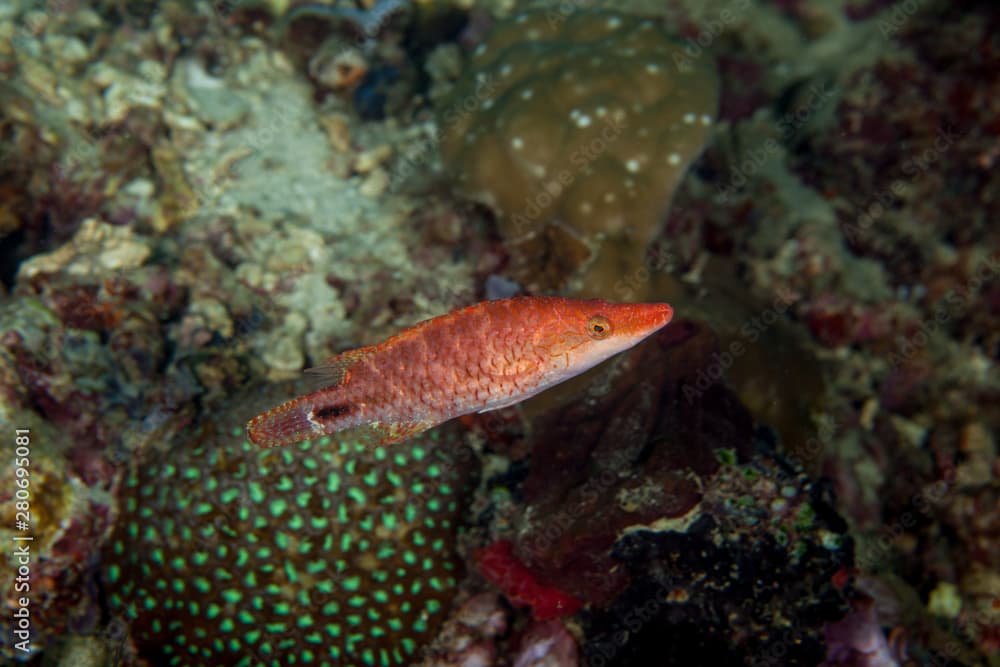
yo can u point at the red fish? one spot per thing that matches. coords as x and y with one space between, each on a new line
484 357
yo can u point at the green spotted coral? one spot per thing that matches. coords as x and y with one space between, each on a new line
321 553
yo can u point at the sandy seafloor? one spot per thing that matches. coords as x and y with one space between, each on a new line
198 201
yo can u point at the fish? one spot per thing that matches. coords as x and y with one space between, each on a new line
487 356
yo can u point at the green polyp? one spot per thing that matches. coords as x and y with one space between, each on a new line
285 484
278 507
281 540
256 492
351 583
333 482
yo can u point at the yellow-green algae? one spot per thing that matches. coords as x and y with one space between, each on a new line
320 553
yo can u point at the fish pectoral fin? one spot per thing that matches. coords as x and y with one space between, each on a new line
337 369
380 434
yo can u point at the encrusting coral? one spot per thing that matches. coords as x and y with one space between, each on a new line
577 129
320 553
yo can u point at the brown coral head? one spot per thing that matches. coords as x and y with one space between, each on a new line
590 123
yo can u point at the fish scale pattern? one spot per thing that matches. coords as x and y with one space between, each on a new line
321 553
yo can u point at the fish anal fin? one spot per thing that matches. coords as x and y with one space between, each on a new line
337 369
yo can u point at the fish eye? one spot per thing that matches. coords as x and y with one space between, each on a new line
598 327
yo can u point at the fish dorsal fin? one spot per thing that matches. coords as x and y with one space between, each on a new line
337 369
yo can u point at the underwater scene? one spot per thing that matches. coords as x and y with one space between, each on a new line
516 333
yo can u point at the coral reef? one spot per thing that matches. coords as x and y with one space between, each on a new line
653 505
577 131
199 197
227 553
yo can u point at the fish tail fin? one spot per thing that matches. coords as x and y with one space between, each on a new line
289 422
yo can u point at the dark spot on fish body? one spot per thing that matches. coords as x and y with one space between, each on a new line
331 412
